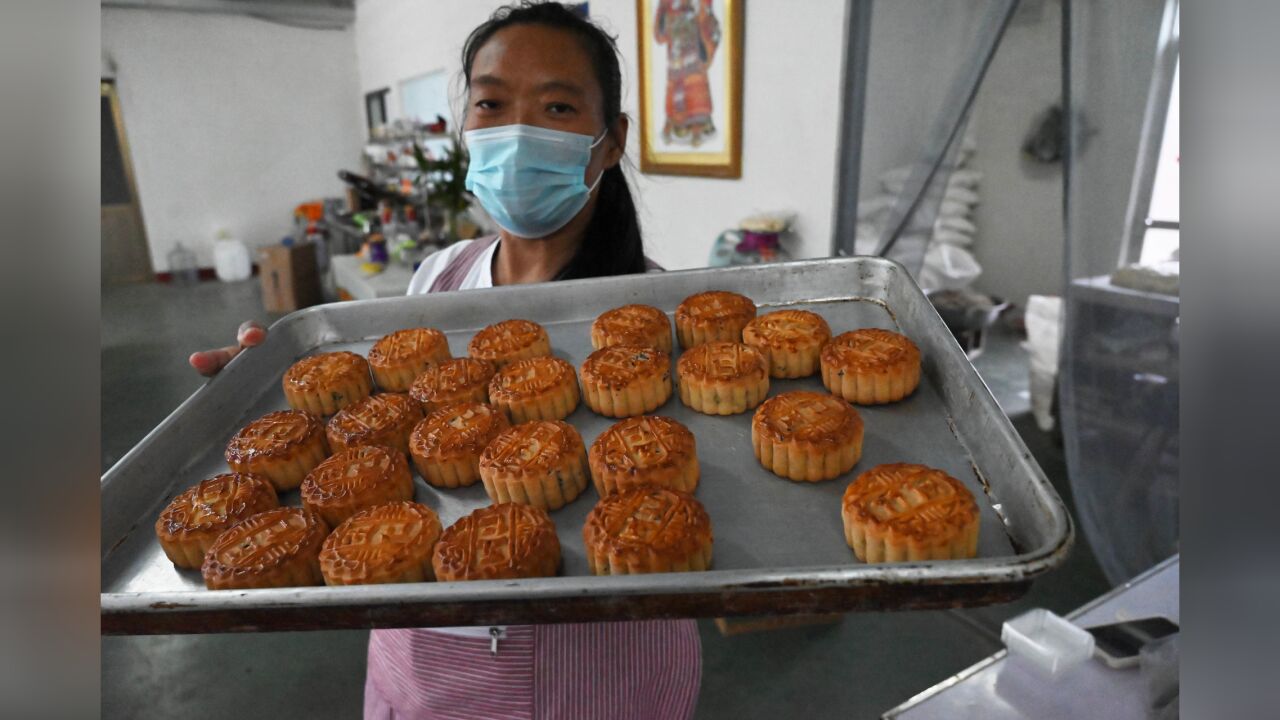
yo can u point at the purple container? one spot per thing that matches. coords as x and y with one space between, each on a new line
754 242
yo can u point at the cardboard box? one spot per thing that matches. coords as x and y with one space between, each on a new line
290 280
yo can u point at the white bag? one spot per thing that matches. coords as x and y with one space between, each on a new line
948 267
951 208
964 178
961 195
951 237
956 223
1044 336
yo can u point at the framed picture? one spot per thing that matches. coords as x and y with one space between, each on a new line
690 87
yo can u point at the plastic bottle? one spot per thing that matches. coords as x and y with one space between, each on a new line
182 266
231 258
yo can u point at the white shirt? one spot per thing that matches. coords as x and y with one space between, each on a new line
479 276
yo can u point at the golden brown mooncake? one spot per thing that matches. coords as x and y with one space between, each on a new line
510 340
647 450
382 419
632 325
197 516
647 529
625 380
541 388
389 543
453 381
355 479
790 339
809 436
281 446
723 378
904 511
498 542
396 359
324 384
871 366
715 316
446 445
276 548
541 463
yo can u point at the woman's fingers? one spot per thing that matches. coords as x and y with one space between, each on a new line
250 334
209 362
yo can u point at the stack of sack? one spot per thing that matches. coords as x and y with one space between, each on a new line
948 264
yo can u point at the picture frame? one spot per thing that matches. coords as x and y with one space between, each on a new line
690 71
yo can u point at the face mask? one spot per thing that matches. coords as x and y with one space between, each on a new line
530 179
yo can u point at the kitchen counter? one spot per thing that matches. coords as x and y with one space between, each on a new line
353 284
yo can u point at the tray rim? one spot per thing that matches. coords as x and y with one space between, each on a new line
128 612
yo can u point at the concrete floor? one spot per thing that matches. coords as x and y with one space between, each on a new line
857 668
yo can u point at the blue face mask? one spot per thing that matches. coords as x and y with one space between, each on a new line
530 180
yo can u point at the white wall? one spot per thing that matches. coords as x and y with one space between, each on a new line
790 116
232 121
1020 234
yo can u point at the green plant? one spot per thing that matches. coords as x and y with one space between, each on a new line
444 180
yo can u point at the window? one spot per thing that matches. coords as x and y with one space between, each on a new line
425 96
1163 218
375 108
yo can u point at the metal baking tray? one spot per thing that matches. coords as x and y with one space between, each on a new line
779 546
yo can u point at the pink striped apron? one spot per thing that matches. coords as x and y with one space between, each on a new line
623 670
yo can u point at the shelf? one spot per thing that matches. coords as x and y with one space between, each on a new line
424 137
1100 291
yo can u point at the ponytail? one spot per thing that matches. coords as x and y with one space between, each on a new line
612 244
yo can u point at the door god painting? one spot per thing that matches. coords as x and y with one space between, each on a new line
691 87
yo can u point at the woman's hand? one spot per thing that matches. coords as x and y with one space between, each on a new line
209 362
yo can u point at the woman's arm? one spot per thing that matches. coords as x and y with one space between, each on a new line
209 362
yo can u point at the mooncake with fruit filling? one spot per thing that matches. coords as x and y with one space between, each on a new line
632 325
355 479
625 380
723 378
542 388
498 542
790 339
453 381
647 529
281 446
382 419
904 511
542 463
196 517
807 436
446 445
715 316
396 359
389 543
510 340
276 548
324 384
648 450
871 366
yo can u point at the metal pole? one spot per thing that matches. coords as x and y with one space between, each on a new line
1157 111
853 91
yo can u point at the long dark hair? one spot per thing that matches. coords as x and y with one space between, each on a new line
612 244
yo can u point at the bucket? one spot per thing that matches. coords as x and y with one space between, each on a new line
231 260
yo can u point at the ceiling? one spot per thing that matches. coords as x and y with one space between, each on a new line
319 14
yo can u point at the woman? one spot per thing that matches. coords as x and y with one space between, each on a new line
544 127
